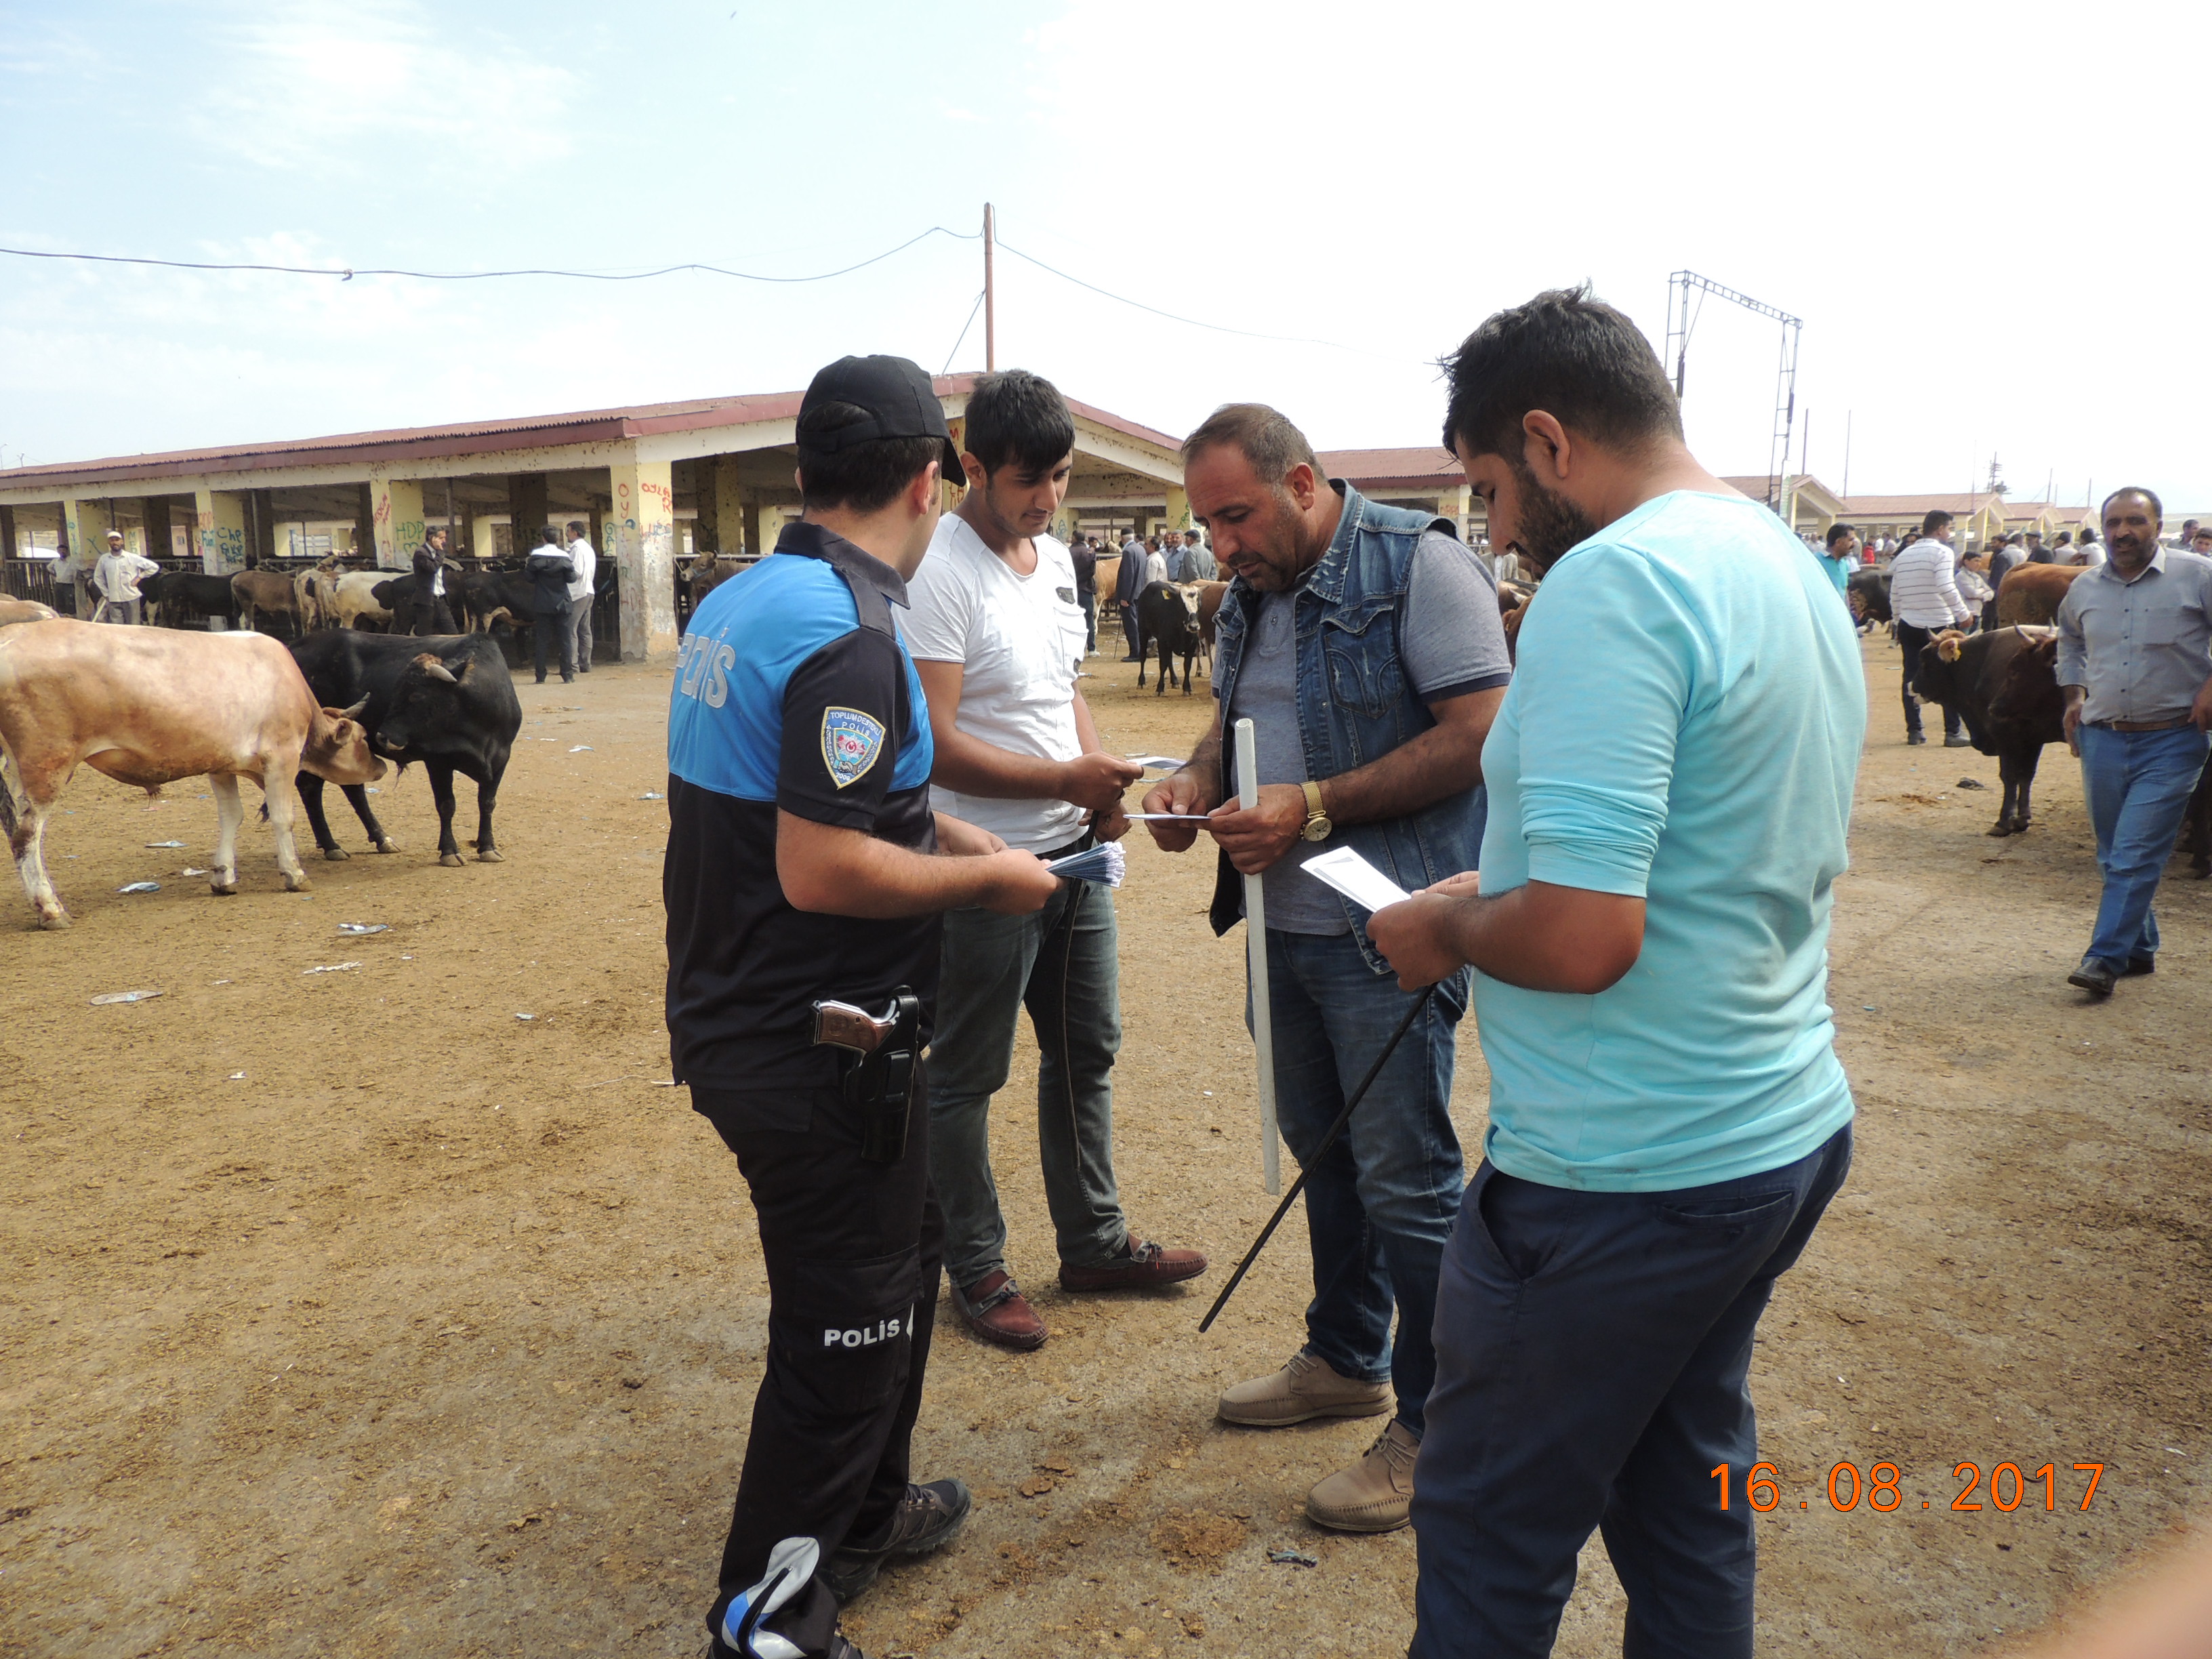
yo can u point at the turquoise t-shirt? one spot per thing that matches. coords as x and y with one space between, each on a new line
1684 725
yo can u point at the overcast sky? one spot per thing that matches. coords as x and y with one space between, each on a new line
1991 221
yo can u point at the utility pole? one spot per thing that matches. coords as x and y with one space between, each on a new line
1680 319
990 297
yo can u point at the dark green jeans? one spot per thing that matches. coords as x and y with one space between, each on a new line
1059 965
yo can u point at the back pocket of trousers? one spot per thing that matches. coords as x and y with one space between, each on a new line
849 1325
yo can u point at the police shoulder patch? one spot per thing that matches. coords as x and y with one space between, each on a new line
851 741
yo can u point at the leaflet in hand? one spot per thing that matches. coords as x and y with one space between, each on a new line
1104 864
1158 762
1356 878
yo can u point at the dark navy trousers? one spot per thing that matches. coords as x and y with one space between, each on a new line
1593 1358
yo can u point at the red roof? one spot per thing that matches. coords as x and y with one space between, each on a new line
1427 468
480 437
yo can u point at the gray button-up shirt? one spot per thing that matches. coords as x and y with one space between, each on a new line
2140 649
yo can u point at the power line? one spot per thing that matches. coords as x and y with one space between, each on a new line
1193 322
348 273
964 327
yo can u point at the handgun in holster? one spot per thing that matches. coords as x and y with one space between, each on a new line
877 1077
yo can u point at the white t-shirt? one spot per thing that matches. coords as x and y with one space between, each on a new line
587 564
1019 640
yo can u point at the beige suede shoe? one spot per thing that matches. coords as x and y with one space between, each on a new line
1308 1387
1375 1494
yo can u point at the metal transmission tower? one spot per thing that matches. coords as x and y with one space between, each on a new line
1679 321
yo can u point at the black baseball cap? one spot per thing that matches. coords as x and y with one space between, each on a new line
900 399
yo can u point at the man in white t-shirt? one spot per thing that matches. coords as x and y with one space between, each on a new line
998 638
582 591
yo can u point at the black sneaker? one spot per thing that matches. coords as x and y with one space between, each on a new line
2094 976
927 1518
1915 737
1958 740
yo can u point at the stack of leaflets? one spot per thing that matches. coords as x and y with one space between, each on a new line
1105 863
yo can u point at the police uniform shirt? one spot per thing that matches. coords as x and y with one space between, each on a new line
792 690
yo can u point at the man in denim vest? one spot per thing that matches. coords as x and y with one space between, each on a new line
1363 641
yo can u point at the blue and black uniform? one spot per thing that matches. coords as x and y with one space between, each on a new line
794 694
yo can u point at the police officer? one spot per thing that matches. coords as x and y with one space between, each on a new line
805 865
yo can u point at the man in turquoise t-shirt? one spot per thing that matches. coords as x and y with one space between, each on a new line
1670 781
1842 556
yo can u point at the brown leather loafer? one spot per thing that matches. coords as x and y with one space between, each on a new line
995 1308
1139 1266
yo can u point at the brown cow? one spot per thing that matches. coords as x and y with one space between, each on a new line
1210 595
148 706
276 592
2030 593
25 611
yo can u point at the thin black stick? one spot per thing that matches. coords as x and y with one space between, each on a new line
1306 1166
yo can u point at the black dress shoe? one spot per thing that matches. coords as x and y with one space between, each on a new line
1915 737
2094 976
2139 965
927 1518
1958 740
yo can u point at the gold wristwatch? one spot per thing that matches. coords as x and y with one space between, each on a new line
1317 823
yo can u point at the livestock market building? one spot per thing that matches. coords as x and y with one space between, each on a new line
657 484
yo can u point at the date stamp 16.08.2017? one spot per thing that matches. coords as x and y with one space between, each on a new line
2007 1487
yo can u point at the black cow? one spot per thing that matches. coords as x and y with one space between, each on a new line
1868 594
447 702
173 595
495 595
1163 619
2005 686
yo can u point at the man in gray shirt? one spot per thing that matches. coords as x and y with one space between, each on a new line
1364 643
2135 664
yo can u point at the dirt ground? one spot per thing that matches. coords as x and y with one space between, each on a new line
427 1329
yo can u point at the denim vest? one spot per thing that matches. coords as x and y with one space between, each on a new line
1355 702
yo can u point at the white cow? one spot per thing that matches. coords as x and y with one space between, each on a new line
148 706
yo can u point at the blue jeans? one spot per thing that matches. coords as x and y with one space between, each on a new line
1380 1202
2138 785
1061 964
1593 1355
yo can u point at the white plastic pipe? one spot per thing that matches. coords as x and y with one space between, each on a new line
1256 947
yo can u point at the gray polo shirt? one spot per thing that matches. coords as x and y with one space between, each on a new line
1451 642
2142 649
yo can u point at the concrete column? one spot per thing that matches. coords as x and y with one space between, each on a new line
642 530
1452 504
158 537
8 548
1178 508
85 524
395 508
527 508
261 524
483 536
772 520
729 509
223 530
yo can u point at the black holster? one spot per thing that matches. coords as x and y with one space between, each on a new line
880 1085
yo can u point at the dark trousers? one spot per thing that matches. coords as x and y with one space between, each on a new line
1061 964
1129 631
551 629
1594 1356
1089 620
1911 642
1380 1202
433 616
852 1251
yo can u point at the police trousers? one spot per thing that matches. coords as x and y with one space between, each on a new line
854 1251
